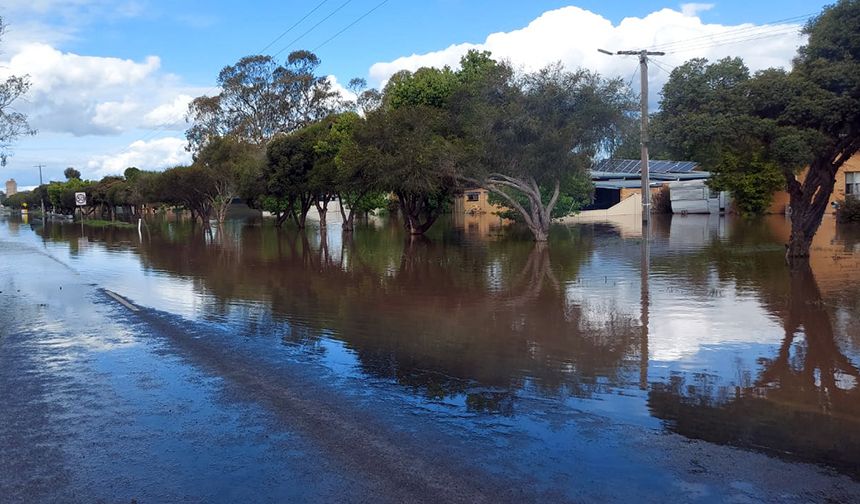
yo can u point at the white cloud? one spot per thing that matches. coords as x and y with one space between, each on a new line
572 36
147 155
94 95
339 88
169 114
693 9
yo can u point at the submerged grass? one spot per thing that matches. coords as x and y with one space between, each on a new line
97 223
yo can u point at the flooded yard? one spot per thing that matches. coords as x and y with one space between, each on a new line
599 366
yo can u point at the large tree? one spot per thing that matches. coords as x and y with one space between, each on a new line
824 111
530 138
409 148
228 163
289 163
410 143
358 182
799 126
260 98
707 114
13 124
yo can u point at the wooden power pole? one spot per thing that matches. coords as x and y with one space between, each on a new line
40 166
643 132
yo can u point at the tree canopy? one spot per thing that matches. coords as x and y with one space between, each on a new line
799 126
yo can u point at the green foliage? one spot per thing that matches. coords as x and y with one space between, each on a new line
849 210
61 195
747 129
751 181
18 200
98 223
716 114
431 87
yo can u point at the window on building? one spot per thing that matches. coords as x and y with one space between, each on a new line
472 196
852 184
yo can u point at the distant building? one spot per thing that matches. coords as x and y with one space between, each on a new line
475 201
615 180
11 187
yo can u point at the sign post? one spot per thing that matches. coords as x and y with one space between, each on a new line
81 202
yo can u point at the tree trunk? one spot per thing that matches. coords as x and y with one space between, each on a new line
322 209
418 214
347 217
808 203
300 217
538 216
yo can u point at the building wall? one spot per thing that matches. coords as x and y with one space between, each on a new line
475 202
11 187
781 198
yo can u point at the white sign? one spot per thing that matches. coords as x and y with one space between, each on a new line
81 198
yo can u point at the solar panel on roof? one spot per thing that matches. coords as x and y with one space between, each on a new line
634 166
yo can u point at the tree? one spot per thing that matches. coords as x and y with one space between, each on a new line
358 181
13 124
825 115
289 163
226 163
529 137
802 125
186 186
708 114
410 143
409 149
260 98
71 173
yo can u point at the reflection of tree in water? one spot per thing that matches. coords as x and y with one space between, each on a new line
483 321
805 402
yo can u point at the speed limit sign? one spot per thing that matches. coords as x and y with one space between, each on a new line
81 198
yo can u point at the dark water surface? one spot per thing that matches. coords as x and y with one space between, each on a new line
477 330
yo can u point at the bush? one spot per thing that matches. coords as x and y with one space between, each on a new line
848 210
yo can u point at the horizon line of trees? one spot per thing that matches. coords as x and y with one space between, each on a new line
282 139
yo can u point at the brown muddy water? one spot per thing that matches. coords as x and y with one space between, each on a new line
701 331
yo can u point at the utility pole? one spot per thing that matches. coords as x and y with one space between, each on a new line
643 132
40 166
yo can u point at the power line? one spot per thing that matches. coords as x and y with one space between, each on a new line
153 133
279 37
323 20
350 25
659 65
733 32
740 40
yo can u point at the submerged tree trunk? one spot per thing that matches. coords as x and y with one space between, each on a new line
808 203
321 203
536 215
347 216
301 217
810 199
418 212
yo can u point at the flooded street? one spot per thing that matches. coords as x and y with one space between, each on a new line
471 365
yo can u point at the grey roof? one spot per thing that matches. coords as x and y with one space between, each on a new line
634 166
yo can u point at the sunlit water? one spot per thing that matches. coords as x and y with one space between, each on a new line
701 330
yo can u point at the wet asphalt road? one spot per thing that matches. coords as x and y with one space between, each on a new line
100 404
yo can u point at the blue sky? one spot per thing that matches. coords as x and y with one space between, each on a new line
143 59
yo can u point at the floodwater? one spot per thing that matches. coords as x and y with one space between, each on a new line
476 336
